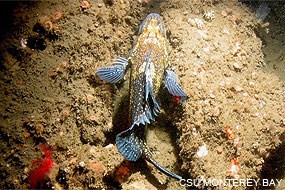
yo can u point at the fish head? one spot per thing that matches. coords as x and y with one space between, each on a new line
153 25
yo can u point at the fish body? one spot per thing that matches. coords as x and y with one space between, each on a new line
149 65
148 62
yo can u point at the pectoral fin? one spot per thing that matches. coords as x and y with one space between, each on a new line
114 73
171 82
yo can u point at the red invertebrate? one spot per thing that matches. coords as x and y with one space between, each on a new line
234 168
230 133
123 172
43 167
177 98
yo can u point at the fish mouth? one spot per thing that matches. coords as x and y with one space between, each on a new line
153 23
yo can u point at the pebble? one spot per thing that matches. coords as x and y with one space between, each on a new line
98 168
236 66
202 151
81 164
212 95
219 149
253 75
109 146
251 83
90 98
73 161
238 88
93 118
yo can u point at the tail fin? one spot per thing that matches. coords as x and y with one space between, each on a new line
132 148
129 146
163 169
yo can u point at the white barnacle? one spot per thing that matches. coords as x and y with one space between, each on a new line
202 151
209 15
24 42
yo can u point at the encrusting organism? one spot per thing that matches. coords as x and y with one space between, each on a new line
44 166
123 172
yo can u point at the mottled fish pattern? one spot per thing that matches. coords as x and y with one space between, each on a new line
149 65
